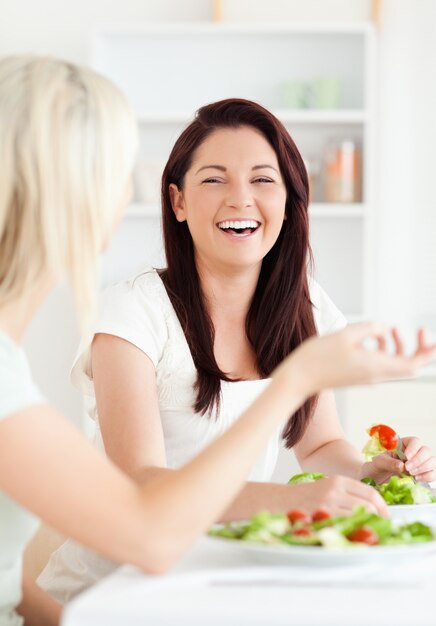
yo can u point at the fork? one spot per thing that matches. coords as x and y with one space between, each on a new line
400 454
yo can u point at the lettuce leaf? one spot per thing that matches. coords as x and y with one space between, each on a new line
306 477
405 490
373 447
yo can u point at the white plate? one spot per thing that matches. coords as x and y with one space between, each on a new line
425 513
280 554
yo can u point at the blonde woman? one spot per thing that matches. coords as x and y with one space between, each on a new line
67 146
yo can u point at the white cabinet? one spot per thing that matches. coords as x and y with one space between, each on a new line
318 79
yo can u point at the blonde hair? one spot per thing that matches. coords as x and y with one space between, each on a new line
68 141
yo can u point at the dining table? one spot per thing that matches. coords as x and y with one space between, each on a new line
219 583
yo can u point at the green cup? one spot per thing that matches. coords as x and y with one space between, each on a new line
296 94
326 93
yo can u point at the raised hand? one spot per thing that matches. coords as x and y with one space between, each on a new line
344 358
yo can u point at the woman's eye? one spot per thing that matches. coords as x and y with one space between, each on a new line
213 180
263 179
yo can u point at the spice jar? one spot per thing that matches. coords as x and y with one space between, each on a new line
343 172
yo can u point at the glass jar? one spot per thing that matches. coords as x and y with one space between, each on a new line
343 179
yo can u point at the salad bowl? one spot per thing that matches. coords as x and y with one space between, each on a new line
320 556
319 539
403 513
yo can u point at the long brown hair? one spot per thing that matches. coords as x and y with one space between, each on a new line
280 315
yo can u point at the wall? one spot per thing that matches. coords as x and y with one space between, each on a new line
406 220
407 139
65 28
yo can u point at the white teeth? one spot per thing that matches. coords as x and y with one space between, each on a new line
238 224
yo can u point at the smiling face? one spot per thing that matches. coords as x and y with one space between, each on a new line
233 198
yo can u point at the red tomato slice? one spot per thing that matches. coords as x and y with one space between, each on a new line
387 435
364 535
303 532
298 515
319 515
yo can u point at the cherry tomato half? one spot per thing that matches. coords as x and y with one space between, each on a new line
387 435
320 514
298 515
302 532
364 535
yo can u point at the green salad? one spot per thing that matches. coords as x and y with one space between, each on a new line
299 528
306 477
398 490
402 490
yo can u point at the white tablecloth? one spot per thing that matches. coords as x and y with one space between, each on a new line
217 585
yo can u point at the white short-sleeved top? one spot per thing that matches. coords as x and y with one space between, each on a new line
140 311
17 392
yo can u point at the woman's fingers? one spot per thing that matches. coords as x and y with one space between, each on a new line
416 454
399 346
412 445
362 331
386 463
427 477
422 345
347 493
338 494
420 463
407 366
425 352
381 343
426 472
356 355
423 357
370 497
422 342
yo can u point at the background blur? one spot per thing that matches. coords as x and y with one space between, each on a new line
353 80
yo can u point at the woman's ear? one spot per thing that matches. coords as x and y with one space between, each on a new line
177 203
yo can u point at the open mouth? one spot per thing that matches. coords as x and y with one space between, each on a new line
240 228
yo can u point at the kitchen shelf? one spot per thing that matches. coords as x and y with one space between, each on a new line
296 116
316 210
328 210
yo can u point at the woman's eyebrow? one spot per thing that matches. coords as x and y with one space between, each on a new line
215 167
261 167
221 168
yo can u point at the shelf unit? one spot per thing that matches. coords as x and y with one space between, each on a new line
344 116
316 210
169 70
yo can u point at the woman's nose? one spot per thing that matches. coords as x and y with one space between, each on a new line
239 197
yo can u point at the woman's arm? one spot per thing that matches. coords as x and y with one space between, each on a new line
48 467
324 447
52 470
126 396
37 607
128 411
